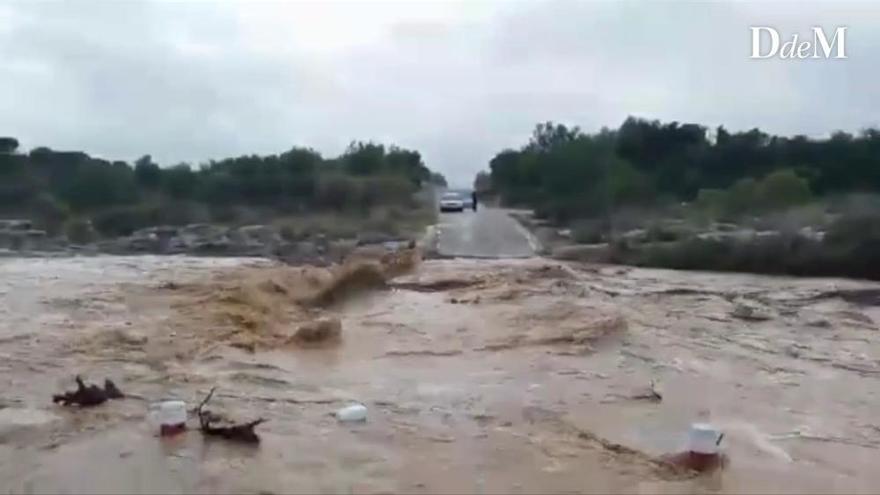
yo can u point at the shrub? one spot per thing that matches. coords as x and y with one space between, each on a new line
123 220
741 198
628 186
712 201
288 233
853 229
792 220
237 215
337 192
382 220
179 213
855 204
782 189
385 190
147 173
179 181
589 231
773 254
8 144
49 212
661 232
854 241
851 248
79 231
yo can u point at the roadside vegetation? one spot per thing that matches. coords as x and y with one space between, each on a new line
684 196
74 194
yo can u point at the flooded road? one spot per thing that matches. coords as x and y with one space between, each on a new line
489 376
485 233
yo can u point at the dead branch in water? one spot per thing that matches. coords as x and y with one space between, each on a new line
652 394
112 391
243 433
88 395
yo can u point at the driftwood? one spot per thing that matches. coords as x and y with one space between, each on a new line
652 395
243 433
112 390
88 395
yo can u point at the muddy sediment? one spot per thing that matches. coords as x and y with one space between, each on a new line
479 376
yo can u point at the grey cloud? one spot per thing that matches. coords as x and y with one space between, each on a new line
196 80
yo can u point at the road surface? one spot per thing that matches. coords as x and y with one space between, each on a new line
487 233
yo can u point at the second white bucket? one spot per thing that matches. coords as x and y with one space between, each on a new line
352 413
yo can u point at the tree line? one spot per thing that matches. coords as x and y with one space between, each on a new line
565 173
53 187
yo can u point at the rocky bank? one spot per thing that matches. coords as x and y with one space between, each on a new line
20 238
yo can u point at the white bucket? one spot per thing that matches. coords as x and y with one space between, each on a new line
354 412
703 438
169 414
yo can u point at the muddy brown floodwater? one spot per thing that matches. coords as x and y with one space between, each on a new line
516 376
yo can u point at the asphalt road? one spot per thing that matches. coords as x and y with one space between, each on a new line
487 233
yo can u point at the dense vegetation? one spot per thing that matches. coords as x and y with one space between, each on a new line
671 183
567 174
62 190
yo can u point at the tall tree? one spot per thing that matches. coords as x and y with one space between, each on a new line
8 145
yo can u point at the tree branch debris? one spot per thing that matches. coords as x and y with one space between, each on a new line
88 395
243 433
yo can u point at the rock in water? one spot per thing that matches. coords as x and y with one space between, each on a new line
745 311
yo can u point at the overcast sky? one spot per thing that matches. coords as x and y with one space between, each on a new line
189 81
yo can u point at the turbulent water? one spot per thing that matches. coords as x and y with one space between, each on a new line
479 376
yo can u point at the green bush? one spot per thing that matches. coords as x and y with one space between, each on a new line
712 201
124 220
772 254
857 204
179 213
288 233
79 231
782 189
852 229
49 212
741 198
146 173
179 181
8 145
628 186
382 220
661 232
854 240
385 190
337 192
589 231
851 248
792 220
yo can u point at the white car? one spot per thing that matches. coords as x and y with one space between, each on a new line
451 202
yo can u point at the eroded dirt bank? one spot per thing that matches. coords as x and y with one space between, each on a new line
479 376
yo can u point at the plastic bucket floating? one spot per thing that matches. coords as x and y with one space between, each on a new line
352 413
703 438
170 415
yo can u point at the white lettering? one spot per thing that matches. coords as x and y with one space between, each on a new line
756 41
803 50
820 39
787 50
795 47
